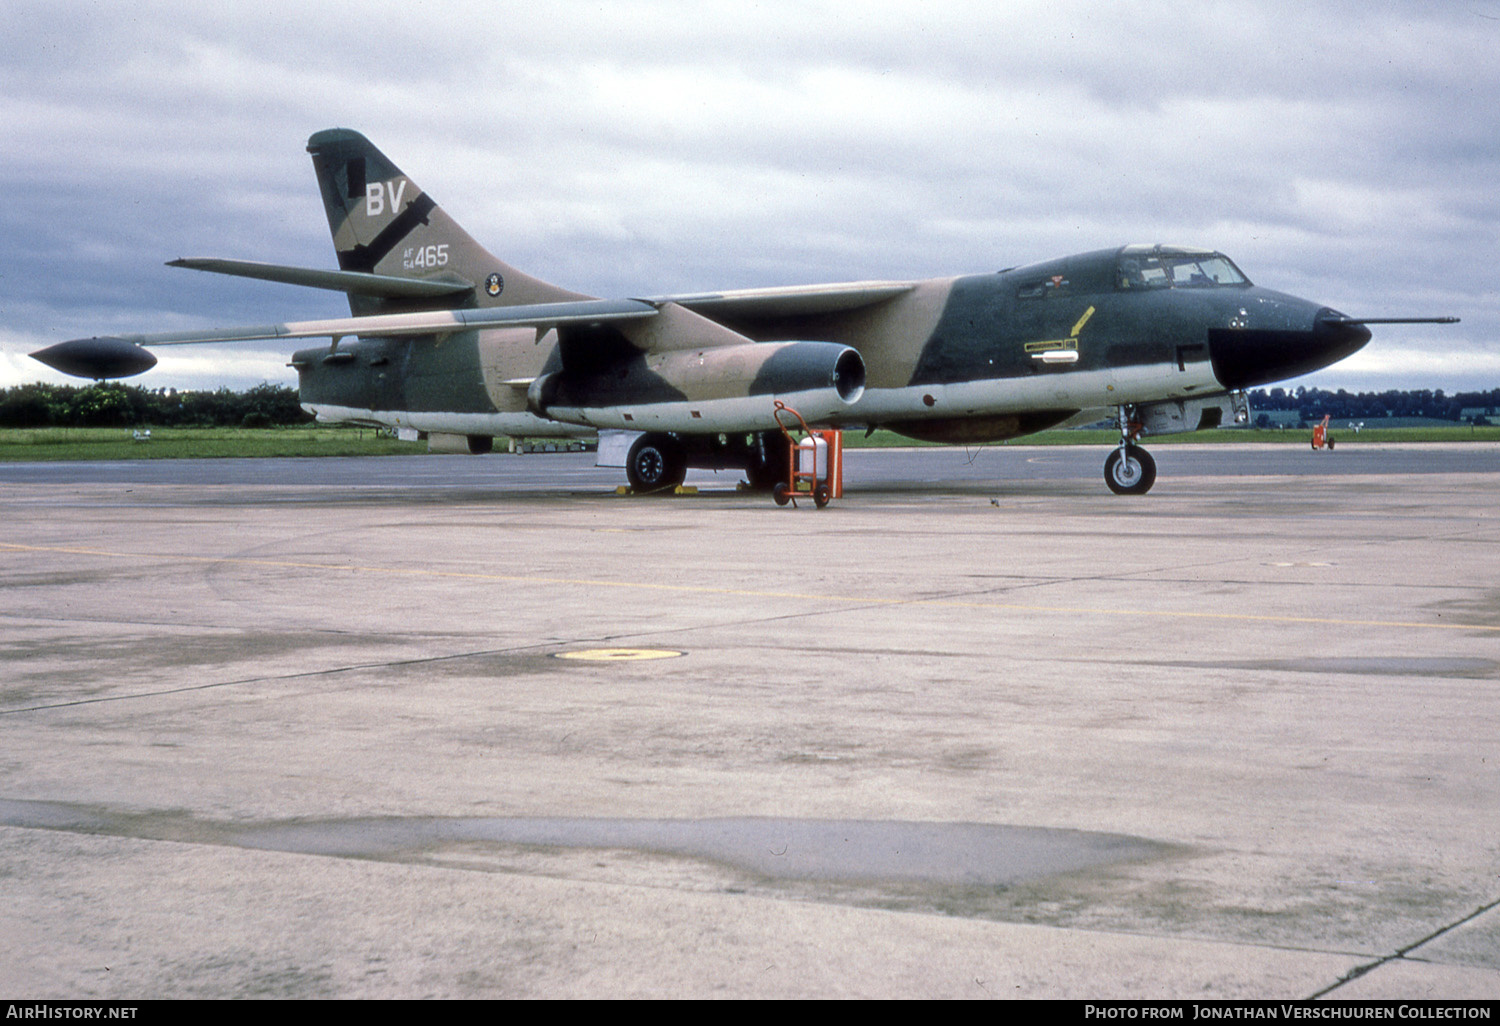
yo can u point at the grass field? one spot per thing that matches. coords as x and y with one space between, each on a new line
180 443
18 444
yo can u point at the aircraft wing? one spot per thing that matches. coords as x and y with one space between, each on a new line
690 320
789 301
385 286
122 355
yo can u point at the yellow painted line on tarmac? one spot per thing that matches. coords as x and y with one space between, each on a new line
619 655
697 589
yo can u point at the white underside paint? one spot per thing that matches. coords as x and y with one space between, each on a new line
1064 390
517 425
746 413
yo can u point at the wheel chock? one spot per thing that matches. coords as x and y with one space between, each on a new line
679 490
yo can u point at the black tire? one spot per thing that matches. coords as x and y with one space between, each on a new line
781 493
769 464
1330 445
656 463
821 495
1132 473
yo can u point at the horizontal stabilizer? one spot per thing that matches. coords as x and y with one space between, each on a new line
362 283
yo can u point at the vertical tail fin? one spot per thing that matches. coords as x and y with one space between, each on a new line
384 224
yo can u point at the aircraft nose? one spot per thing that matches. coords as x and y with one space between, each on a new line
1250 356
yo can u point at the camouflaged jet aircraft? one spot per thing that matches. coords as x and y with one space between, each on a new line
453 342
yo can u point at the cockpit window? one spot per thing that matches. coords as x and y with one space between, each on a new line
1165 269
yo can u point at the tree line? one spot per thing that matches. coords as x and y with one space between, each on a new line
1314 403
111 404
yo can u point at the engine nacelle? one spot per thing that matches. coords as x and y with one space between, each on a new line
713 389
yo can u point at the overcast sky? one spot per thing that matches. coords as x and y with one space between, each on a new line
1344 152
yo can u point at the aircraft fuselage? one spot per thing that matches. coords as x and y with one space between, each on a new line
974 358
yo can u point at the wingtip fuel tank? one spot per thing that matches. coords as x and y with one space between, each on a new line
97 358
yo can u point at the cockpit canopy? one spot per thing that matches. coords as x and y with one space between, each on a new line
1174 267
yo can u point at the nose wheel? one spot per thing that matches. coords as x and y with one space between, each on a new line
1129 470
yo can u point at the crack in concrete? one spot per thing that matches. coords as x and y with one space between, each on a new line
1401 953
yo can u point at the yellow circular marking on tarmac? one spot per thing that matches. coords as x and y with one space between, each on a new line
620 655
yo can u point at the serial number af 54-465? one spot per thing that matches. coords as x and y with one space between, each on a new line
420 257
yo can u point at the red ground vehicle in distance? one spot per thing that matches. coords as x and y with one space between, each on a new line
1321 439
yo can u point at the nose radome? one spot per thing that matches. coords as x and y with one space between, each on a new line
1299 342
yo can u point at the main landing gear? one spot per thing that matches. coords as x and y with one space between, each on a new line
1129 469
657 463
659 460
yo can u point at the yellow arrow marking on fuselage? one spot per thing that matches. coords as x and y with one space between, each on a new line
1071 342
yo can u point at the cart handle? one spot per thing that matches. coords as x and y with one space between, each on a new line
781 408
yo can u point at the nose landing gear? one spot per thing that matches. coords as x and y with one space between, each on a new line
1129 469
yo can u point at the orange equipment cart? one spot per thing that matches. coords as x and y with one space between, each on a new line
815 461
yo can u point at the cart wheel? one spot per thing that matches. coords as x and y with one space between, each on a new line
821 495
781 493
